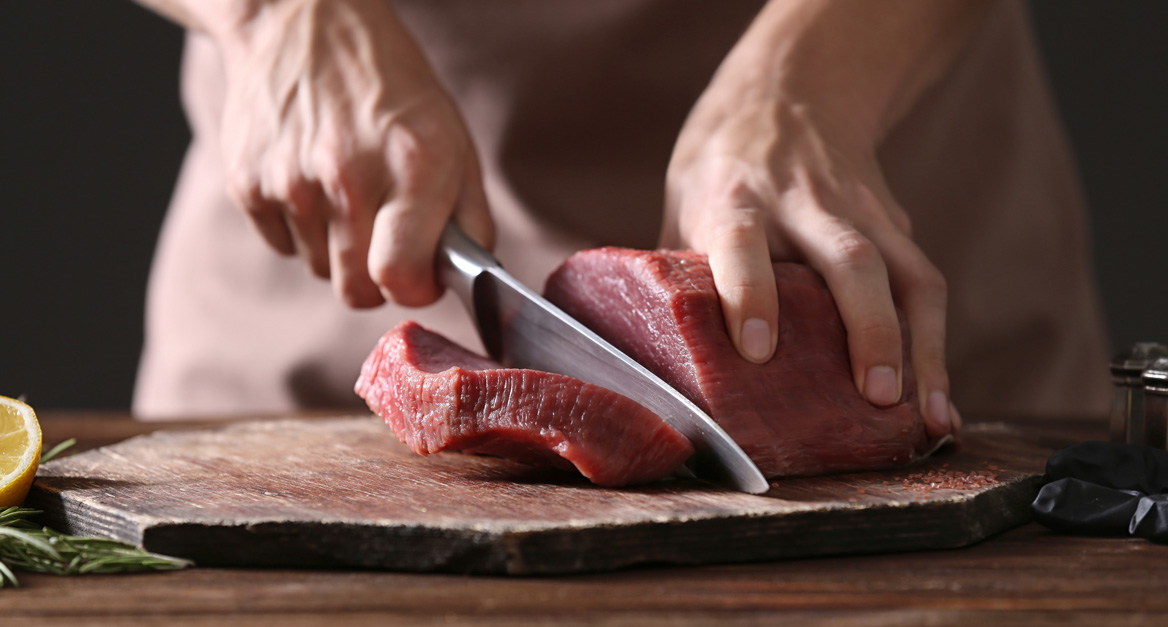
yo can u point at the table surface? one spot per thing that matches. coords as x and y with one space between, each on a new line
1037 576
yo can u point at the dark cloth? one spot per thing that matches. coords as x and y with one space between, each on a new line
1106 489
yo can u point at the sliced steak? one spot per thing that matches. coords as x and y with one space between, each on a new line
798 414
438 396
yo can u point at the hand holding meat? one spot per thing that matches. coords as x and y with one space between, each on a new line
767 182
778 161
342 147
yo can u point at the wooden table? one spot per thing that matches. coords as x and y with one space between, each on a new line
1025 576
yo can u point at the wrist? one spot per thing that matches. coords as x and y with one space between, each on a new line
791 107
862 65
797 86
230 23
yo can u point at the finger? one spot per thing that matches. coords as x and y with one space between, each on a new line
471 210
856 275
265 216
405 238
955 416
305 213
405 235
670 236
307 221
745 280
353 197
921 291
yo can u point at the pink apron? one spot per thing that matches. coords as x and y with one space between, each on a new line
574 107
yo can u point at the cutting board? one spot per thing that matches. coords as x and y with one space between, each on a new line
343 492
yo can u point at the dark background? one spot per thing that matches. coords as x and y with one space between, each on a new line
91 138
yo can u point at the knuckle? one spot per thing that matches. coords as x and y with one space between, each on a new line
344 181
245 191
330 172
331 146
335 182
299 195
930 365
881 333
742 295
421 150
740 192
735 230
410 151
851 249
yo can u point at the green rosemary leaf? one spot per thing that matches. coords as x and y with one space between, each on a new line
25 541
57 450
27 546
18 516
7 576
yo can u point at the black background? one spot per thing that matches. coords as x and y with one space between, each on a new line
91 139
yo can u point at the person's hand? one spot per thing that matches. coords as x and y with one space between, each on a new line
342 147
778 161
753 180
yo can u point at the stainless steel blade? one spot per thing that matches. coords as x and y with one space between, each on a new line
522 329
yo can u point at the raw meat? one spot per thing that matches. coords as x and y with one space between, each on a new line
438 396
798 414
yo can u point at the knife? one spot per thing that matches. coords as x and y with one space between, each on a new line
521 329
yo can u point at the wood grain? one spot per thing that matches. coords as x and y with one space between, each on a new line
1047 578
343 492
1025 576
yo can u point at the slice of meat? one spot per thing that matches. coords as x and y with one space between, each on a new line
798 414
438 396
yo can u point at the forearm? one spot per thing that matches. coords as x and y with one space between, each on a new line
355 29
863 64
213 17
231 23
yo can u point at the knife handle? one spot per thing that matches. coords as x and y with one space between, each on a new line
460 261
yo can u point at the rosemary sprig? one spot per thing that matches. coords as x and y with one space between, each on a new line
26 546
57 450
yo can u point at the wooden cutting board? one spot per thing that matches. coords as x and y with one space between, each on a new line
343 492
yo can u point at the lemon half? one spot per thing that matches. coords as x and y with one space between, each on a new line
20 450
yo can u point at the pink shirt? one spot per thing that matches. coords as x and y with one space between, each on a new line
574 107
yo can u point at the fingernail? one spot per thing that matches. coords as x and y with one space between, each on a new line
880 386
955 417
756 340
937 414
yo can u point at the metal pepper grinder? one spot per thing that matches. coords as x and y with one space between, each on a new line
1128 411
1156 404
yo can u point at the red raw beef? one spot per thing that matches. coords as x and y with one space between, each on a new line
438 396
798 414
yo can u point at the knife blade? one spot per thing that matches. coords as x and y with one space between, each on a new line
521 329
